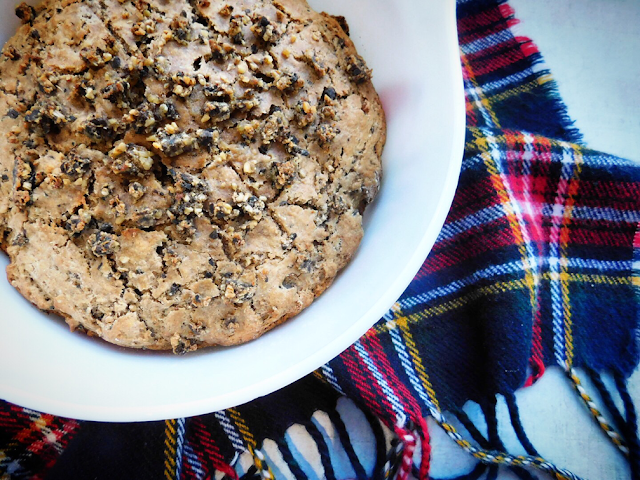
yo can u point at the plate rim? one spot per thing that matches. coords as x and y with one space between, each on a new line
328 351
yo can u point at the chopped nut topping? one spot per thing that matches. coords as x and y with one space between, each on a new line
131 159
103 243
136 190
326 133
191 155
26 13
357 69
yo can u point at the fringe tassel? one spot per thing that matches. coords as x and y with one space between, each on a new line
493 442
493 437
381 450
260 461
491 457
323 449
466 422
260 470
514 415
252 474
392 463
631 426
614 436
402 454
493 472
425 445
343 435
397 462
400 458
491 417
290 460
607 399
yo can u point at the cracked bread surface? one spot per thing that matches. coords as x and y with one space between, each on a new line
180 174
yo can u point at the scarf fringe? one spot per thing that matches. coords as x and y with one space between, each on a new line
345 440
388 460
497 457
395 458
516 423
630 430
626 424
615 438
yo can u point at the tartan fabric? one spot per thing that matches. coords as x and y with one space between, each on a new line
536 265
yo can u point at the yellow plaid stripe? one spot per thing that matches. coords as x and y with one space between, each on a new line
483 104
258 457
503 287
416 360
564 242
242 428
170 449
514 221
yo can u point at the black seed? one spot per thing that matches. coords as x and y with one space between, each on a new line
205 138
105 227
329 92
308 265
20 240
229 322
13 113
288 282
33 115
103 244
181 348
172 113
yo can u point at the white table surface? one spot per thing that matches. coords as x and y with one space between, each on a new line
592 48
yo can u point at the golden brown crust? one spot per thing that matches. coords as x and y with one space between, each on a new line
186 173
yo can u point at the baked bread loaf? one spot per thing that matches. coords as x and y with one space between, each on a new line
177 174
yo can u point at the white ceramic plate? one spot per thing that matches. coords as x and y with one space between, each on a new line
412 47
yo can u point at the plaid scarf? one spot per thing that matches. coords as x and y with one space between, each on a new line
536 266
